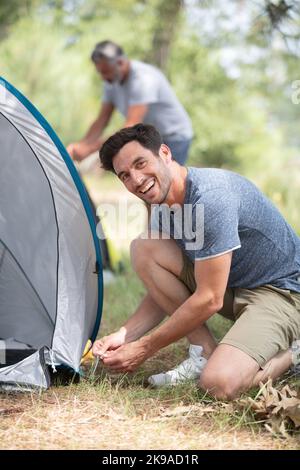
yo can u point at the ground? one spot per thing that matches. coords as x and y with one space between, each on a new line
108 412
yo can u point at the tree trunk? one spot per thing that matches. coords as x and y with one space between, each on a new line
168 12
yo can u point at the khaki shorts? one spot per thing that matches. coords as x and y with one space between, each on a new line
266 319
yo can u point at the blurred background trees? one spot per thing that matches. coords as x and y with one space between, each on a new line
232 63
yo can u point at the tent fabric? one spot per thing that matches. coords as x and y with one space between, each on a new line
27 374
50 262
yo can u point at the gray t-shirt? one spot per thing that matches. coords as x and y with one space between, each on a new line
147 85
229 213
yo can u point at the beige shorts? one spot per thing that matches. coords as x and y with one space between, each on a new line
266 319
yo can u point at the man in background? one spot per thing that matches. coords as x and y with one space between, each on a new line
141 93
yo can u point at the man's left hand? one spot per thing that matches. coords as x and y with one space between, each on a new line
128 357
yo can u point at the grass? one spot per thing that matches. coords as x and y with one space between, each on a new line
121 412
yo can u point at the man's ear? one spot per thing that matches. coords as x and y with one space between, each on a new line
121 63
165 153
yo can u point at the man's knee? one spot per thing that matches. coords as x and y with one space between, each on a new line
148 254
140 254
223 384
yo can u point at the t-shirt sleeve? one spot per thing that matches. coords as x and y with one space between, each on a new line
215 225
143 90
107 95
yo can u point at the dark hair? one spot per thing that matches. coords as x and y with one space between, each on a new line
107 50
145 134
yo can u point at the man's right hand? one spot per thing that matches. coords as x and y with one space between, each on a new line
110 342
78 151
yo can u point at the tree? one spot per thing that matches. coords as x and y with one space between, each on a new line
167 14
12 11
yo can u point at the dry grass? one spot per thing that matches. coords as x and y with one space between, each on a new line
85 419
121 413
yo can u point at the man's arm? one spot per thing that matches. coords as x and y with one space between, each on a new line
135 114
211 277
92 141
146 317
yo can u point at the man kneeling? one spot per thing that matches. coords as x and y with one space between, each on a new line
235 254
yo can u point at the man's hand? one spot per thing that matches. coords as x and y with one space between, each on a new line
78 151
127 358
108 343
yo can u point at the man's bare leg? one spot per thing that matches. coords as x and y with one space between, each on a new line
230 371
274 368
158 263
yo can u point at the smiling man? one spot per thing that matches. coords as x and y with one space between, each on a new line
247 268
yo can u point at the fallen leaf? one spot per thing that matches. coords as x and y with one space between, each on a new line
276 406
10 411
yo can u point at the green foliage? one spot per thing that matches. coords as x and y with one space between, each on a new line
49 62
230 126
35 58
13 10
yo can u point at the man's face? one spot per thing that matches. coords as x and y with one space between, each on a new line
144 174
110 72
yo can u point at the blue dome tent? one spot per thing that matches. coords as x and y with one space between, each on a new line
51 287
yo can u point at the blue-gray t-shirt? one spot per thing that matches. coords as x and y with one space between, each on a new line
229 213
147 85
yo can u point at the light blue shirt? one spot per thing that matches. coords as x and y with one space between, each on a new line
146 84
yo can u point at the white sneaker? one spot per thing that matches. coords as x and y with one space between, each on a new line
190 369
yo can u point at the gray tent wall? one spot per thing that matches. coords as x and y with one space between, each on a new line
50 262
